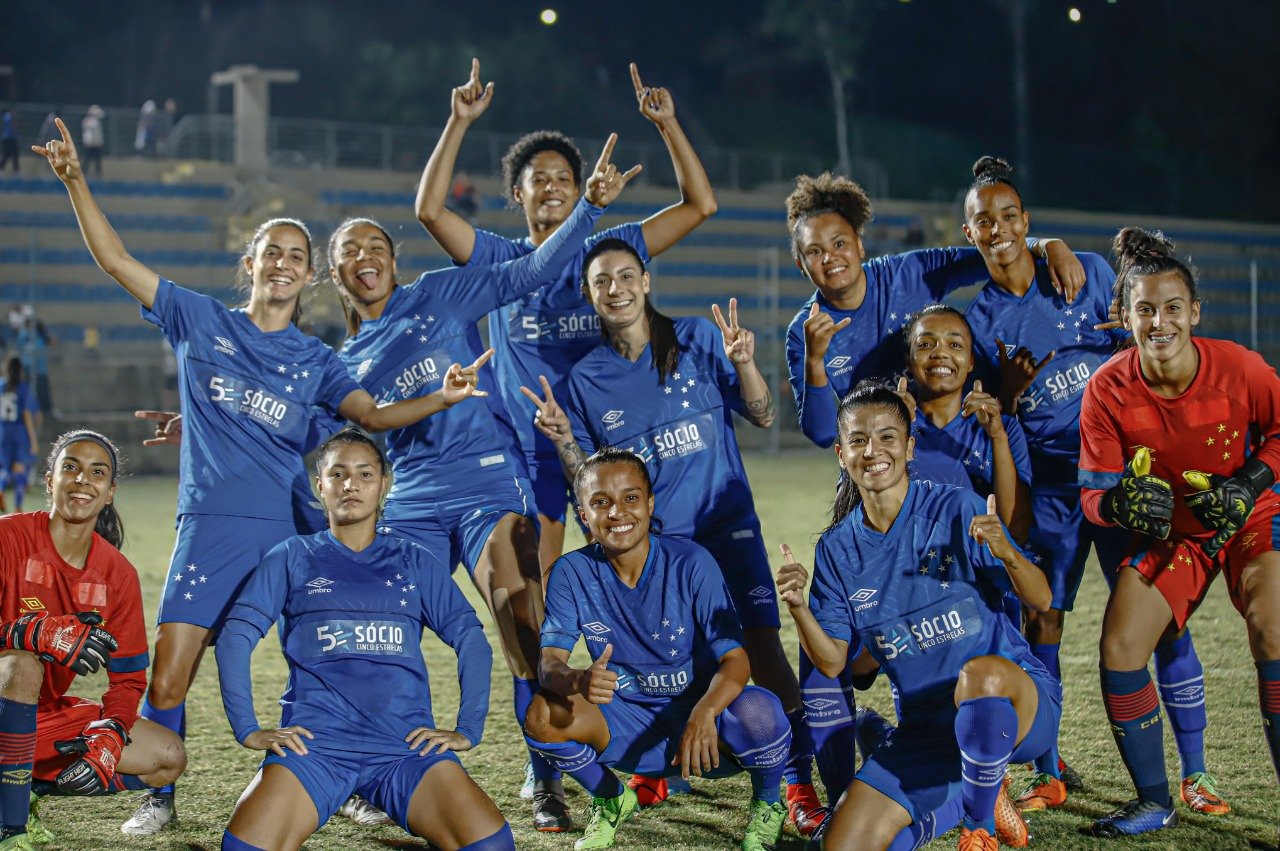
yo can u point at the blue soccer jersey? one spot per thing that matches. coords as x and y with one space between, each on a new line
247 398
1042 321
668 633
351 629
429 324
898 285
960 453
923 598
683 429
544 332
14 402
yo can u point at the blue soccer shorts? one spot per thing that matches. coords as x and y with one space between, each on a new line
745 566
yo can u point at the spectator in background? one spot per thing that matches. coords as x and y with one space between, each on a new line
33 344
50 123
463 197
164 121
8 141
144 140
92 138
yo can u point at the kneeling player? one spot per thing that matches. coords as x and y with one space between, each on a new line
62 576
665 692
353 603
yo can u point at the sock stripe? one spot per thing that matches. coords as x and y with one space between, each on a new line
1129 707
1269 696
17 741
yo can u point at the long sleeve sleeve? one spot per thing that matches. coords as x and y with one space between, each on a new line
234 651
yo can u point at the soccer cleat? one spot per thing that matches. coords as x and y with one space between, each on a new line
1011 827
1200 793
765 826
607 814
1070 777
977 840
526 788
151 817
550 814
39 834
1042 792
362 812
19 842
805 808
1133 818
651 791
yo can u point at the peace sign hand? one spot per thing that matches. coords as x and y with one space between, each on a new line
605 184
550 418
985 408
460 382
472 98
61 154
739 343
655 104
1017 373
792 580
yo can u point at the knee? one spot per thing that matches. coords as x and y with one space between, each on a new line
983 676
171 761
168 687
537 722
1123 650
21 674
1264 629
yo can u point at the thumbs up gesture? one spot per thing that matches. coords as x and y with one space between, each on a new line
986 408
598 682
987 529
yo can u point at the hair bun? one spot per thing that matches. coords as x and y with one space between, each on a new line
1133 243
992 168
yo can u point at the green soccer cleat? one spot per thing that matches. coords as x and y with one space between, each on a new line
39 834
607 814
19 842
765 825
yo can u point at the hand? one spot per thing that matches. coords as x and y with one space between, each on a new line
1113 317
277 740
61 154
460 381
605 183
598 682
472 98
699 749
100 746
819 328
168 427
72 641
909 400
985 408
792 580
436 741
550 418
1140 502
987 529
1017 373
1223 504
655 104
1066 273
739 343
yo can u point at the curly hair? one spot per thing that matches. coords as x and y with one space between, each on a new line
530 145
1141 252
827 193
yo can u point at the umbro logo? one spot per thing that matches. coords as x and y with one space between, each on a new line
33 604
863 594
364 368
837 362
760 591
612 416
222 344
320 585
818 704
596 627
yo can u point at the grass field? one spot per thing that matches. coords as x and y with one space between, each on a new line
793 494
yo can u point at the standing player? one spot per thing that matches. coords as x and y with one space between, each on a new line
17 431
1038 352
461 489
1179 444
64 575
667 687
666 389
352 603
914 572
249 383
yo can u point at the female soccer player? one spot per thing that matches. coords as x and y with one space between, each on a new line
1038 353
17 431
1178 445
64 575
666 389
248 382
666 691
461 489
546 332
914 571
357 713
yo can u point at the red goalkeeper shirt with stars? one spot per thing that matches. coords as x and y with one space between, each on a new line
1221 419
33 577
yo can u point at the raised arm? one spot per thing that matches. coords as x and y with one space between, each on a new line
1029 582
553 422
453 233
459 384
1011 493
103 243
740 348
697 200
829 655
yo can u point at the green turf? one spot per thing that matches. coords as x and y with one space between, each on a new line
793 494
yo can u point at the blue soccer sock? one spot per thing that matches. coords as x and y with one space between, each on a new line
233 843
1047 762
1269 701
127 783
829 720
758 734
929 827
17 753
986 730
1181 679
522 692
799 765
500 840
581 762
1134 712
175 719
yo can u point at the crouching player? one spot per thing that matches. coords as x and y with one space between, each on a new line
666 692
64 585
357 713
925 566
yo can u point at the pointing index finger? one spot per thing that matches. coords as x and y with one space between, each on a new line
607 153
475 71
733 313
482 360
719 318
635 79
62 128
546 388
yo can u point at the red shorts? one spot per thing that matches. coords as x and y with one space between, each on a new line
1182 573
64 718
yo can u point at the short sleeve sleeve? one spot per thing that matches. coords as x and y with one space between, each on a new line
826 594
560 624
491 248
1018 447
576 411
178 311
338 383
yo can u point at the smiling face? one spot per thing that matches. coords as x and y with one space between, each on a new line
617 289
351 483
1161 314
280 265
80 482
940 354
874 448
616 505
547 189
363 263
830 254
996 224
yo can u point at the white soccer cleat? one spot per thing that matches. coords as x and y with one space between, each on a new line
151 817
361 811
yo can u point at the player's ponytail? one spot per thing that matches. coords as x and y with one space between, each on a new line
662 330
1140 253
827 193
348 309
868 393
109 524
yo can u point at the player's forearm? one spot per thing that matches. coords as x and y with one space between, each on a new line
456 236
475 666
697 199
1004 480
557 677
828 654
372 417
233 652
531 271
756 398
1029 582
726 684
123 695
1091 505
571 457
106 247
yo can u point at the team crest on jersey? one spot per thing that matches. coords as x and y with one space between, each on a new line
222 344
32 604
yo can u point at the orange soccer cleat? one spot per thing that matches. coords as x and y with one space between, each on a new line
977 840
1042 792
1011 827
1200 793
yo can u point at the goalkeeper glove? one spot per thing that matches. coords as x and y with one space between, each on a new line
99 745
1222 504
73 641
1141 502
